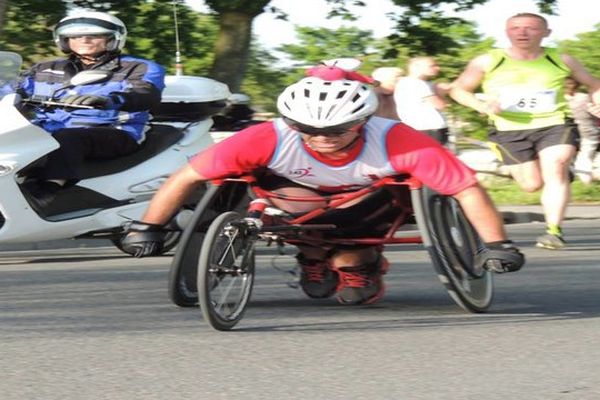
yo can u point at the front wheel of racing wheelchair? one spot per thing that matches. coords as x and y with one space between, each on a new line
226 270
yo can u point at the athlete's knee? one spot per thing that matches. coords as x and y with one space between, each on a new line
530 185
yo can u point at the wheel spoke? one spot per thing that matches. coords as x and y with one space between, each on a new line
225 272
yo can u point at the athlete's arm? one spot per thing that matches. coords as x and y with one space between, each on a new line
581 75
462 90
435 98
437 168
238 154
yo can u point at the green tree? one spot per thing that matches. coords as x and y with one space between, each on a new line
3 7
317 44
152 34
263 82
585 49
27 27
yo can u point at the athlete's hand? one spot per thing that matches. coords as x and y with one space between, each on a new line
500 257
594 109
143 240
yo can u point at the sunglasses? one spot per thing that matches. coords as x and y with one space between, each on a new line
326 132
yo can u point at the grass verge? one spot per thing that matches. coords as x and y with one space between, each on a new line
506 192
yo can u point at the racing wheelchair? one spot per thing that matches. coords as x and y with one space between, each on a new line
214 265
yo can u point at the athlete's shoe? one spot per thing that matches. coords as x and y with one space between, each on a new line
317 280
363 284
550 241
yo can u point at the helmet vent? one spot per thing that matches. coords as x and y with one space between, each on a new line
357 109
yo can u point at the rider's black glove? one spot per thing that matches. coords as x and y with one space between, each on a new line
501 256
143 240
100 102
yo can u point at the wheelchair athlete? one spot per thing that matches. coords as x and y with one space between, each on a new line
328 141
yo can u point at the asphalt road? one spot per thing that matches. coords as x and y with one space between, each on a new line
92 323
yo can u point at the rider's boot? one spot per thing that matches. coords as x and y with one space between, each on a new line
362 284
317 279
43 192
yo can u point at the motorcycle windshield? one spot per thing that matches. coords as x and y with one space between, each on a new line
10 66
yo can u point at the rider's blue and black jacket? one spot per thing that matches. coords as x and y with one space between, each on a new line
135 86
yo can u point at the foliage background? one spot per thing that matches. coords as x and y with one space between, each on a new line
421 29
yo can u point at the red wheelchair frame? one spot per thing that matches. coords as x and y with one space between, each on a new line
217 247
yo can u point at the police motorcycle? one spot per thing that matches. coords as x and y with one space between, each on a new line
111 192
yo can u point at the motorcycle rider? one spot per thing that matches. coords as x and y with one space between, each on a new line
121 102
328 141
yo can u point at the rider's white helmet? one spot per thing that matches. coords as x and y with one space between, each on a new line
90 23
314 104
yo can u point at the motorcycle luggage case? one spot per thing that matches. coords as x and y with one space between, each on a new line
190 98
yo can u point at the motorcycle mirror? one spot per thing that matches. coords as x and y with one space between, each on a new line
89 76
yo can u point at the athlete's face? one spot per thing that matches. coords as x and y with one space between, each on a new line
331 144
526 32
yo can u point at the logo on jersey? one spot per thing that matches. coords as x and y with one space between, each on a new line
301 172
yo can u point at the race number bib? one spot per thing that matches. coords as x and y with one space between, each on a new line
525 101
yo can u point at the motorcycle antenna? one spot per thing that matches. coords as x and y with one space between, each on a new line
178 64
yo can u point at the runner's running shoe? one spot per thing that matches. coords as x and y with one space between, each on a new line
550 241
317 280
363 284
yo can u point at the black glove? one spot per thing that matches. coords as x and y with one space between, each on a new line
143 240
100 102
501 256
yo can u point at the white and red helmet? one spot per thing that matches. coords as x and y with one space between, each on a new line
90 23
314 104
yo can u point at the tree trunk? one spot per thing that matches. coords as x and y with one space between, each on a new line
232 48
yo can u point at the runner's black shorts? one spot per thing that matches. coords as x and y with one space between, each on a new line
517 147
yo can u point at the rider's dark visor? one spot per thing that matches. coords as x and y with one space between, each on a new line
88 35
327 131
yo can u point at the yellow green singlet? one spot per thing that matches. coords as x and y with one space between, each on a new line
530 93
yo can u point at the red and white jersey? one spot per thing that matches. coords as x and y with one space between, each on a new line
293 161
386 148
